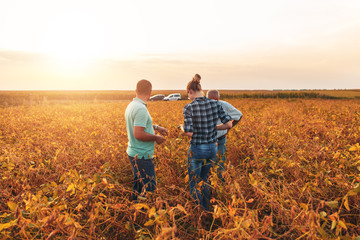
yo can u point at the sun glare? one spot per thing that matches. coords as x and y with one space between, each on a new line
74 38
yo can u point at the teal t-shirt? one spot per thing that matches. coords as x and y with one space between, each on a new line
136 114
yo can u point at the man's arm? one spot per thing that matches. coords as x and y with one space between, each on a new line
231 110
224 126
234 122
225 119
163 131
234 113
141 135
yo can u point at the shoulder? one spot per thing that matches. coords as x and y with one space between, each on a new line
136 106
130 107
216 102
223 103
226 105
212 101
139 108
188 107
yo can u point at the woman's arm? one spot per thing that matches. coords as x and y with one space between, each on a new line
189 134
188 121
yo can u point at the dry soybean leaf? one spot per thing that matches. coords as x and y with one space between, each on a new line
104 181
346 203
342 224
354 147
250 200
7 225
323 214
181 208
139 206
12 206
187 178
332 204
149 223
333 225
71 189
152 211
246 224
304 206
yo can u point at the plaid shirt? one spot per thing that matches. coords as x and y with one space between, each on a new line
200 118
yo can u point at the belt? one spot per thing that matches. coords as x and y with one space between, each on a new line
221 138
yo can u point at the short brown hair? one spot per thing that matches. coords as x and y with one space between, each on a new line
194 84
143 87
213 94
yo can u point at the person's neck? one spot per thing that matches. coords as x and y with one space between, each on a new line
198 94
142 97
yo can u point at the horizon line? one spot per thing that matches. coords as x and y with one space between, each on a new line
93 90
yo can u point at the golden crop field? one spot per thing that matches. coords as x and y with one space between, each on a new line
293 172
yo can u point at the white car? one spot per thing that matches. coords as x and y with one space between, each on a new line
172 97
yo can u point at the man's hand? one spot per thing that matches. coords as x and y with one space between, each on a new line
234 122
141 135
159 139
163 131
224 126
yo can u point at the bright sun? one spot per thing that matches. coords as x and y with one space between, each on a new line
74 38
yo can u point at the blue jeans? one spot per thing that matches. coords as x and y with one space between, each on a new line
200 159
221 158
144 176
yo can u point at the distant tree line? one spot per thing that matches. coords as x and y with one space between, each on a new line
11 98
286 95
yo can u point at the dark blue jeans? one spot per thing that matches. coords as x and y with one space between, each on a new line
144 176
221 158
200 159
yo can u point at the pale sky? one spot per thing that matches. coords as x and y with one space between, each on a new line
232 44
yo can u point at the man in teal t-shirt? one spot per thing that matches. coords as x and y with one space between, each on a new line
142 138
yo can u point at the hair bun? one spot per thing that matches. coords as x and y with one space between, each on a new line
197 78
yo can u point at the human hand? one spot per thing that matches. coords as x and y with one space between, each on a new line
159 139
163 131
181 127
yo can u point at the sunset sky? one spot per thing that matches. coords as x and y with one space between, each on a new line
232 44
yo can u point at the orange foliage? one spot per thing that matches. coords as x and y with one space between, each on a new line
293 171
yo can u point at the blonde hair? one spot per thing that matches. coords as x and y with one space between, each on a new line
194 84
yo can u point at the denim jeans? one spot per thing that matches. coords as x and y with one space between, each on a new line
200 159
144 176
221 157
